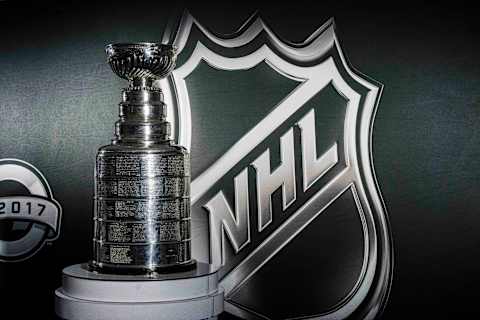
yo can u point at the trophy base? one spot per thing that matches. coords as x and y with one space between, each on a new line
189 295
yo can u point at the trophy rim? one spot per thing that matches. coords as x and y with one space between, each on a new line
140 45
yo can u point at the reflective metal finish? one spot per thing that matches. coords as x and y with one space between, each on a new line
142 205
141 61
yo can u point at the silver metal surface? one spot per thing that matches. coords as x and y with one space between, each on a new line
191 295
142 266
142 61
142 206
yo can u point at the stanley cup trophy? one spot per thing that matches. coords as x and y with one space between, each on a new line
142 266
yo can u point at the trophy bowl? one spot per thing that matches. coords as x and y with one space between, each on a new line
143 60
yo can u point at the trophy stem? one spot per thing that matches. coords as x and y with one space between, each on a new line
142 82
142 114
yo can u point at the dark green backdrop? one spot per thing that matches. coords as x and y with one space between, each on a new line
58 105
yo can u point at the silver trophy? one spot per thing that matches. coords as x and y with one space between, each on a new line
142 204
142 265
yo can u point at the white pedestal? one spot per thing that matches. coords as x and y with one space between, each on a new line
191 295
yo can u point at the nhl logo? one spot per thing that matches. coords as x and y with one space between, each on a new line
284 194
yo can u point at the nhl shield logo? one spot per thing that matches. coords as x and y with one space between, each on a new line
284 195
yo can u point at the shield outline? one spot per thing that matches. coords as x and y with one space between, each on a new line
369 296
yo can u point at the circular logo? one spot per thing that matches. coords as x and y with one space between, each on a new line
29 215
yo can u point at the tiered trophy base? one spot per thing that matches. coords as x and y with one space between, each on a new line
190 295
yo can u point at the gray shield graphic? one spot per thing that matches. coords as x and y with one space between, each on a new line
284 194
